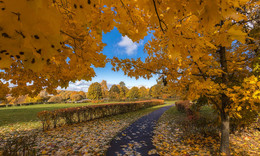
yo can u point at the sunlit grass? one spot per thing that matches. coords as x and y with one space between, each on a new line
21 114
25 117
170 102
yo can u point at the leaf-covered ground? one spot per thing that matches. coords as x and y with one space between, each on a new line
177 135
90 138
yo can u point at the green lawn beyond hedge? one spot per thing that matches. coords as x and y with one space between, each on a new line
11 115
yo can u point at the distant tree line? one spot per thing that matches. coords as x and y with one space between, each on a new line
119 91
98 91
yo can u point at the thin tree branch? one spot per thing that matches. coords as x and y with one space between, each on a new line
200 70
150 70
128 12
160 20
202 73
78 39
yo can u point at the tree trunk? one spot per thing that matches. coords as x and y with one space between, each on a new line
224 146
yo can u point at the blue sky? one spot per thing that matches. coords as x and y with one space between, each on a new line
121 47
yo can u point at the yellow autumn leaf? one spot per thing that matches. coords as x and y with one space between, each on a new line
5 61
44 152
236 33
256 94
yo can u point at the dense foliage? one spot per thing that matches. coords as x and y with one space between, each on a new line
95 91
133 93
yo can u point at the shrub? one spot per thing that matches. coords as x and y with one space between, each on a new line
59 117
186 107
83 94
65 95
33 99
19 145
76 97
85 101
97 101
182 106
45 117
56 99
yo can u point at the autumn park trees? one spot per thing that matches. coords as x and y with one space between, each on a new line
97 92
204 48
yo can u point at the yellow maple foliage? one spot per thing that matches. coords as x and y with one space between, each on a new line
43 36
205 51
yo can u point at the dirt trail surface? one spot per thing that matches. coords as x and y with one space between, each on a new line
137 138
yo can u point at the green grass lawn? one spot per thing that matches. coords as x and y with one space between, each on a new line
12 115
170 102
23 114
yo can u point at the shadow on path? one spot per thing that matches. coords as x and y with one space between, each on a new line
137 138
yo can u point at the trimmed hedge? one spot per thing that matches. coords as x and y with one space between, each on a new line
68 116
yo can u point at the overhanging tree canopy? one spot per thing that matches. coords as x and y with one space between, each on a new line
42 40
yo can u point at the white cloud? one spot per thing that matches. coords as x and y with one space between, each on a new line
81 83
128 44
77 86
139 86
